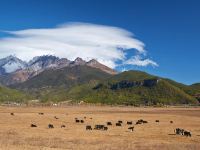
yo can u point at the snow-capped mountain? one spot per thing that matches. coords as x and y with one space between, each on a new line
78 61
11 64
15 70
47 61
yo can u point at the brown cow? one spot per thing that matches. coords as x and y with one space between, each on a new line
63 126
88 127
33 125
50 126
56 117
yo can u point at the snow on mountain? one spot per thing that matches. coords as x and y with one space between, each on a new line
47 61
11 64
16 70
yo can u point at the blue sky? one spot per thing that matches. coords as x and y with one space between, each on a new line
169 29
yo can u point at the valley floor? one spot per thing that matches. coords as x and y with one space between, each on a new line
16 133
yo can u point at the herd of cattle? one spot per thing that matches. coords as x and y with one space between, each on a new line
177 131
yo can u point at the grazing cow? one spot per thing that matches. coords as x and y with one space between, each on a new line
129 122
131 129
82 121
88 127
33 125
50 126
182 132
186 133
109 124
179 131
77 121
41 113
91 118
12 114
145 121
171 121
56 117
157 121
63 126
84 117
118 124
141 121
138 122
120 121
99 127
105 128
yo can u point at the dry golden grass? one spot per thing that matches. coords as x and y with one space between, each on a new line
16 133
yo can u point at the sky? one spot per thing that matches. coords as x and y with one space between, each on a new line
159 37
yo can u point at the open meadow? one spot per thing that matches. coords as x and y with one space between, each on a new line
16 132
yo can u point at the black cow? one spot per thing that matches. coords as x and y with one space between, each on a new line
50 126
99 127
129 122
145 121
131 129
82 121
157 121
118 124
171 121
88 127
12 114
105 128
33 125
77 121
141 121
41 113
138 122
109 123
179 131
120 121
186 133
63 126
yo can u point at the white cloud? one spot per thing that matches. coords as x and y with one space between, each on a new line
138 61
107 44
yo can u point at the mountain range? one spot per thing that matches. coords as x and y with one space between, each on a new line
49 78
13 70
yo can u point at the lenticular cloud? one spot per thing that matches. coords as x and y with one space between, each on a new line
107 44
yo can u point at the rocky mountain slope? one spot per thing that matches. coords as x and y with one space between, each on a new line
14 70
65 77
11 64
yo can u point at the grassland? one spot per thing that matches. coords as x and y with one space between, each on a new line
16 133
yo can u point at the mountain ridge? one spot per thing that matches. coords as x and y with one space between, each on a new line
49 78
127 88
41 63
